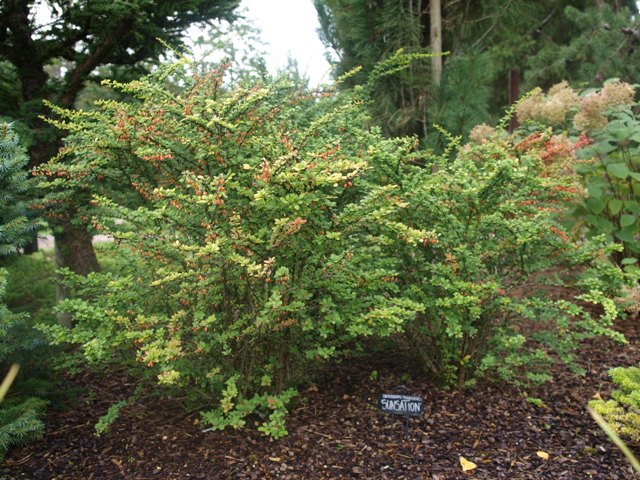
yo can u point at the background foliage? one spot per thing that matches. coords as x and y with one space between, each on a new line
540 43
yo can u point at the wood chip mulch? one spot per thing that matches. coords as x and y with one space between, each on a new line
336 432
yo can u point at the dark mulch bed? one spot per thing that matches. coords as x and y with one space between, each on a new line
336 432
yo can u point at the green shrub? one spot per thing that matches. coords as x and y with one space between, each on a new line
19 417
611 175
15 226
607 163
485 278
267 232
20 423
242 274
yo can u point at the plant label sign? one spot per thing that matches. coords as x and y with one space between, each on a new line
406 405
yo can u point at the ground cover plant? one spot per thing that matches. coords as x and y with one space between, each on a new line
267 231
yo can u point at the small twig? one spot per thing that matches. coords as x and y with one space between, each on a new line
66 429
633 32
317 433
19 462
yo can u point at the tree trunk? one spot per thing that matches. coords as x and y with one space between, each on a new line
435 20
73 250
31 247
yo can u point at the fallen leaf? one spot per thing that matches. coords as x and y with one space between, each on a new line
467 465
275 459
542 454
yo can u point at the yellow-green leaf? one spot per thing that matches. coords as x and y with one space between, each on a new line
614 206
467 465
543 455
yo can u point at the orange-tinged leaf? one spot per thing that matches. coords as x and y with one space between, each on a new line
467 465
542 454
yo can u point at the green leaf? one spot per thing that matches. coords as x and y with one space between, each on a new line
632 206
626 235
627 220
584 168
602 224
618 170
603 148
614 206
594 188
620 133
596 205
628 261
632 270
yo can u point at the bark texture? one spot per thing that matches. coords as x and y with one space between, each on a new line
435 16
73 250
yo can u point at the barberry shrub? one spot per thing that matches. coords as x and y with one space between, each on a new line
243 269
504 289
267 232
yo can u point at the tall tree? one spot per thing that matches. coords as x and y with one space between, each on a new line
435 33
15 226
485 39
362 33
85 35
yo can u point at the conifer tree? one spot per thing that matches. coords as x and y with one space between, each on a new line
19 418
15 227
485 41
86 35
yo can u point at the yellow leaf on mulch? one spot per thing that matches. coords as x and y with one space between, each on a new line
467 465
542 454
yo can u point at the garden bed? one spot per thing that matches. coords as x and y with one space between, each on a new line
337 432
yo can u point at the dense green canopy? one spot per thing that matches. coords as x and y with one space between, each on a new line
541 42
84 35
79 37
